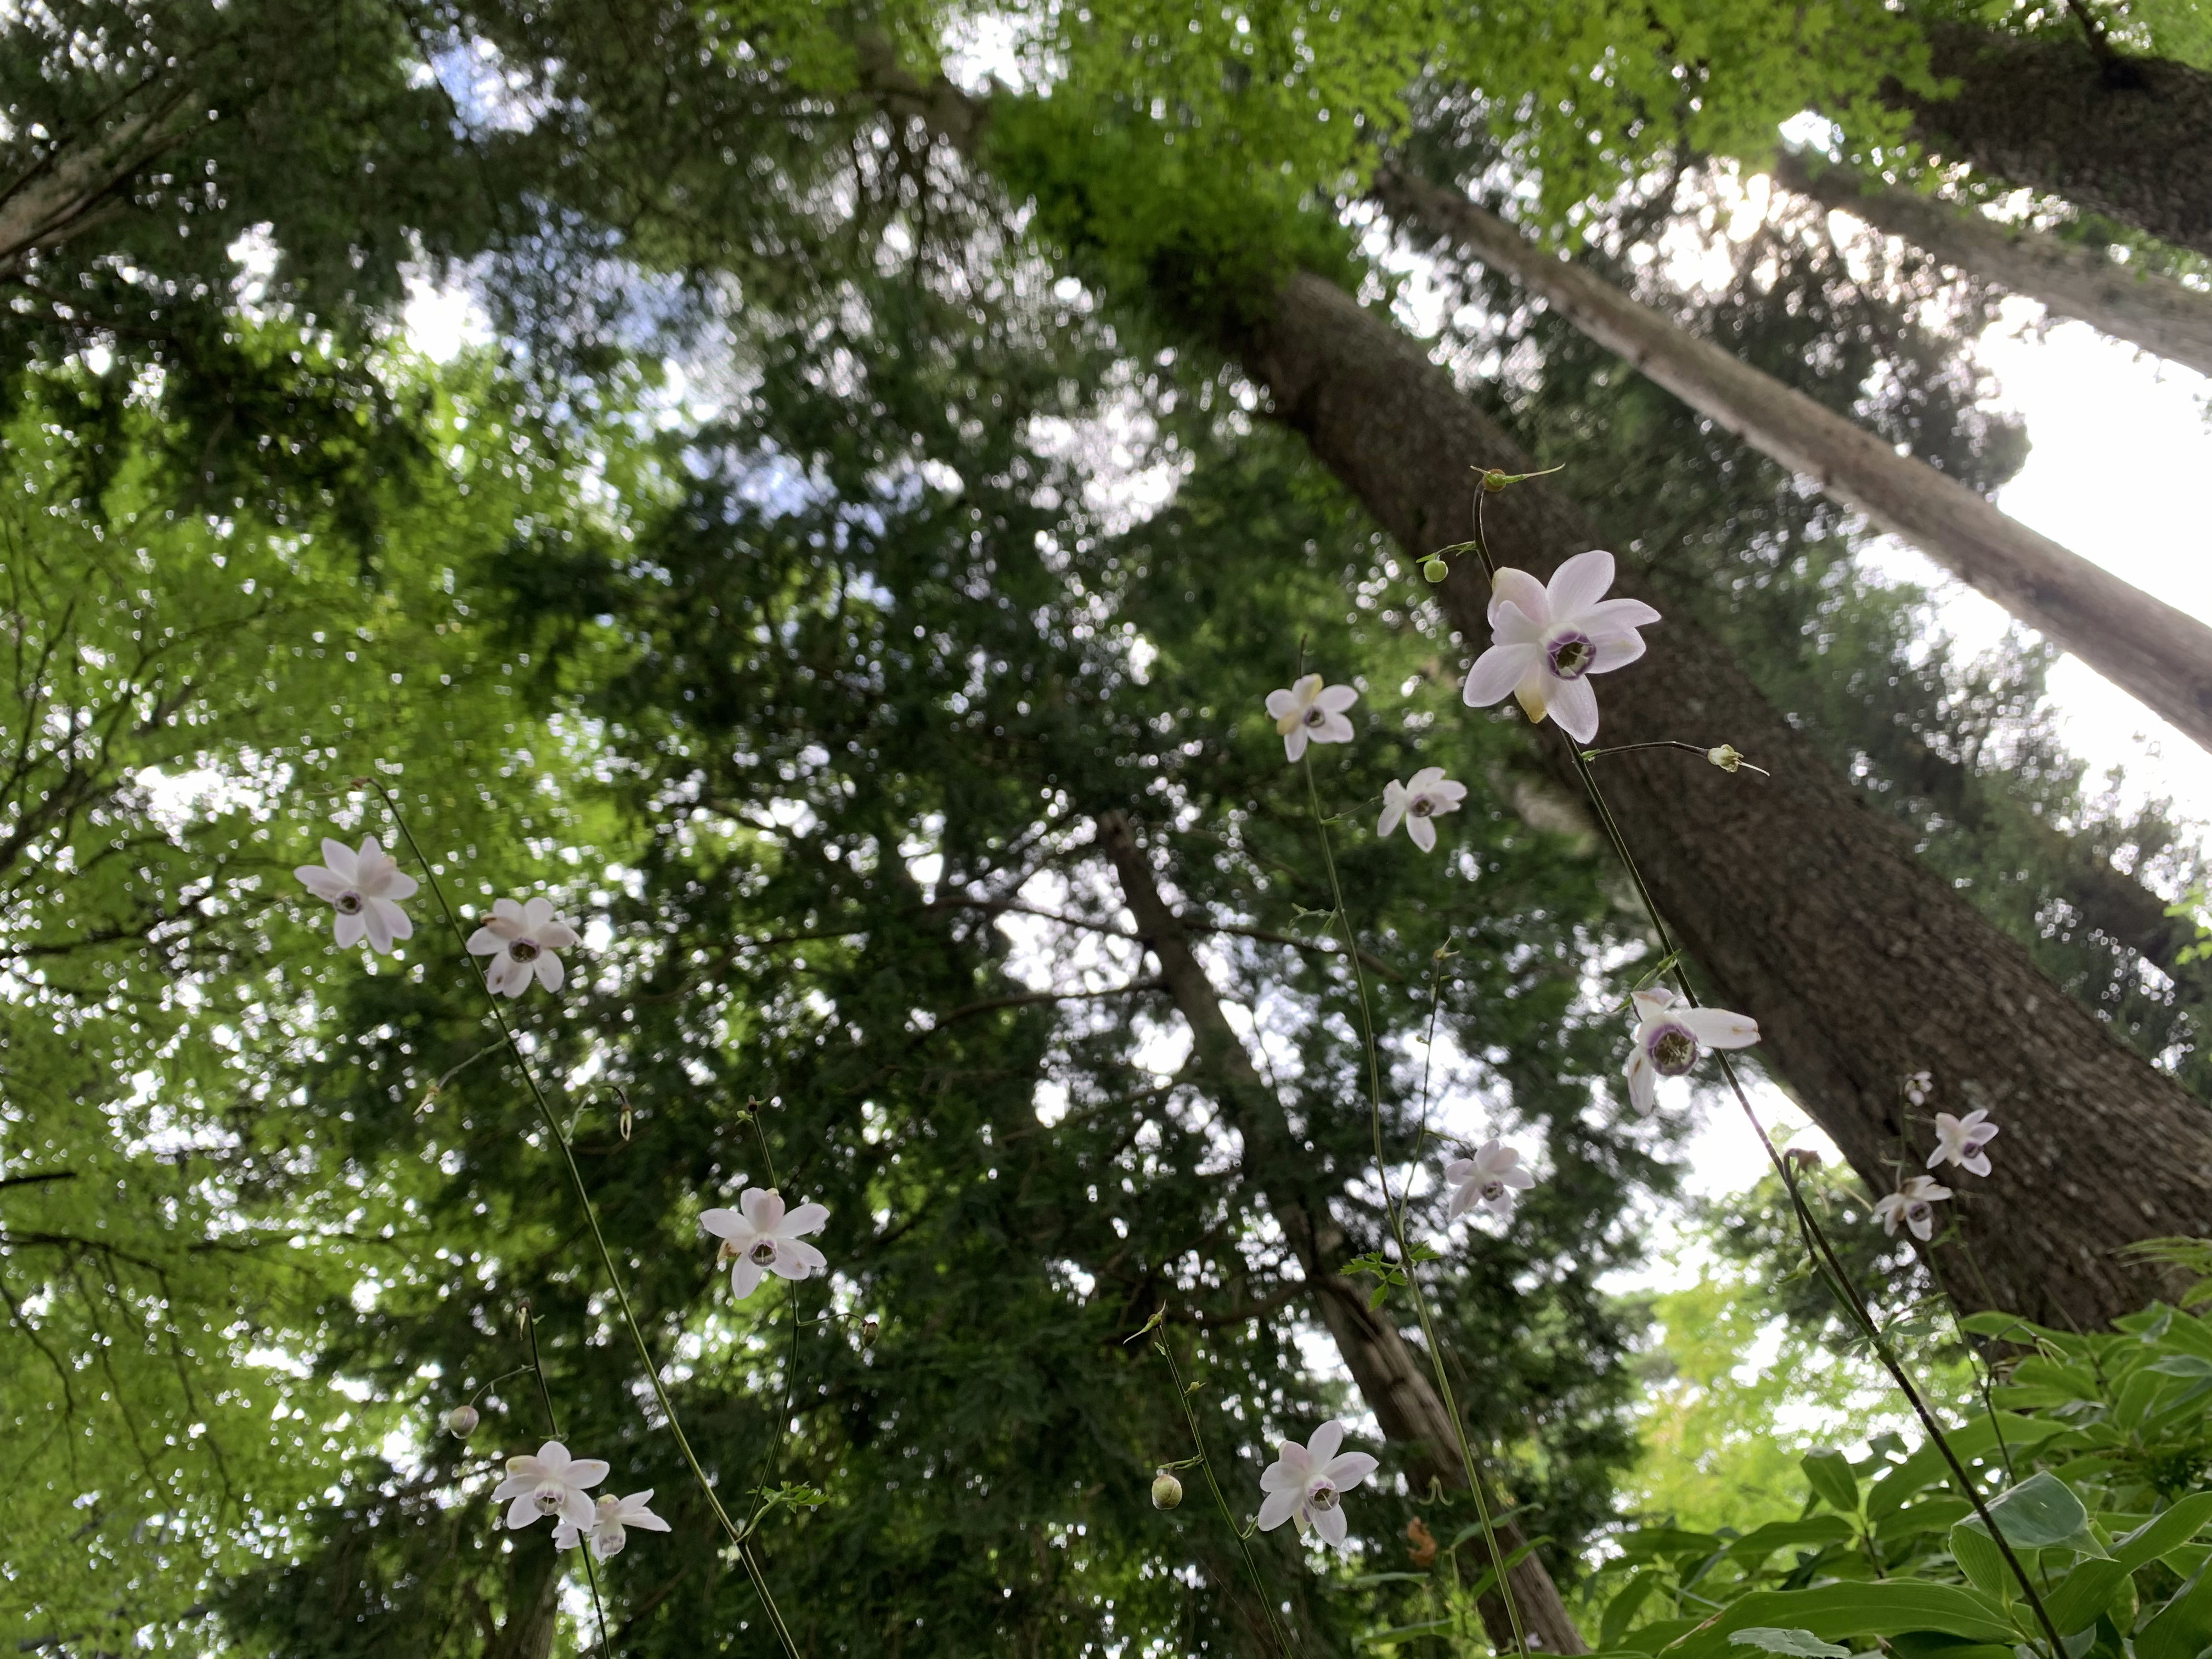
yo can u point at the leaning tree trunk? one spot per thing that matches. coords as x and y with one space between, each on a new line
2128 137
1391 1379
2160 655
1802 905
2140 306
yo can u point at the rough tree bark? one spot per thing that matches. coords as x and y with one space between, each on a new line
70 191
1802 905
1390 1378
2159 655
2128 137
2140 306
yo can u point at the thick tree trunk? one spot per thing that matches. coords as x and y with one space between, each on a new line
2158 654
1801 904
1391 1379
2128 137
71 191
2140 306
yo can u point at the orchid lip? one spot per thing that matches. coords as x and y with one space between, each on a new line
1571 655
522 950
1674 1051
763 1253
1322 1497
348 904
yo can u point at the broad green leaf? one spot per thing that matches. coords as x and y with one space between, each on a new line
1755 1545
1833 1480
2165 1532
1887 1606
2084 1592
1798 1643
2041 1512
1983 1564
2183 1628
2182 1364
1621 1611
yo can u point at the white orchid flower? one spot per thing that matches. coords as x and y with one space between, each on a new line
521 940
763 1238
1420 802
550 1483
1548 639
366 887
611 1519
1310 712
1914 1205
1960 1140
1488 1179
1671 1034
1306 1484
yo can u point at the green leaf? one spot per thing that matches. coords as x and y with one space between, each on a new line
1799 1643
1384 1638
1888 1607
1979 1558
2165 1532
2182 1364
1621 1611
2041 1512
1755 1545
1833 1480
2083 1594
2183 1628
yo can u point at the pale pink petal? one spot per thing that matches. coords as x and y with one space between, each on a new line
1616 617
1326 1439
1717 1028
587 1471
1447 794
796 1258
744 1276
1651 1005
375 916
1462 1199
351 928
1511 625
1573 704
342 861
1335 699
1330 1523
1294 742
522 1511
1496 673
1423 832
565 1535
1393 807
807 1218
396 924
642 1516
575 1508
1278 1507
1334 728
1643 1085
397 885
550 971
1517 1177
764 1205
1616 651
557 935
321 882
1280 703
1519 588
508 910
483 943
1426 781
509 978
537 911
725 1224
515 1487
1290 1468
1576 585
1348 1471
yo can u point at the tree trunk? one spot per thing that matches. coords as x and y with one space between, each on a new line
2140 306
1390 1378
1801 904
2128 137
70 191
2160 655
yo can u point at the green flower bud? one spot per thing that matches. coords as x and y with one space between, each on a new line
461 1420
1434 569
1167 1490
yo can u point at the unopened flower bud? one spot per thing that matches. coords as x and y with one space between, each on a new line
1493 481
1724 757
461 1420
1167 1490
1801 1157
868 1328
1434 569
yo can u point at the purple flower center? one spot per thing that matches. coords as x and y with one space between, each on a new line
1492 1191
1571 655
547 1497
349 904
1919 1211
1316 715
1322 1497
1673 1050
763 1253
1422 806
523 950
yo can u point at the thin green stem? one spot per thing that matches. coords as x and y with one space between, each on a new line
1815 1237
739 1539
1394 1212
1220 1499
